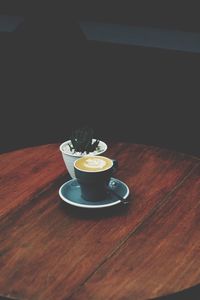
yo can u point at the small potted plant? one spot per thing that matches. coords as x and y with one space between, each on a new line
80 143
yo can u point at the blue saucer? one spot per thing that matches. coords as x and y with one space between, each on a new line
70 192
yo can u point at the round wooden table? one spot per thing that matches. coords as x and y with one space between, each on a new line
146 249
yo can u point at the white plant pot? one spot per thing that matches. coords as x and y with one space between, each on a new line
69 157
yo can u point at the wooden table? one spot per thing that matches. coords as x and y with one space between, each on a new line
148 248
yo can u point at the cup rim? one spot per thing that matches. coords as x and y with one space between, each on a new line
93 172
104 145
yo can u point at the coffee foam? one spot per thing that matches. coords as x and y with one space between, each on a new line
93 163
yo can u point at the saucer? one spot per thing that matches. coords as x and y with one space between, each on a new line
70 192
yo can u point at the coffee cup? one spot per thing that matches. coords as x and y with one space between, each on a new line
93 174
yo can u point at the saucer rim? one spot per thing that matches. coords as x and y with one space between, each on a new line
93 206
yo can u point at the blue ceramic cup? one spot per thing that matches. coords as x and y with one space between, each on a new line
93 174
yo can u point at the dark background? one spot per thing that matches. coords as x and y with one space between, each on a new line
55 80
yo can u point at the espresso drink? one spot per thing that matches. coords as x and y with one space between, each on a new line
93 163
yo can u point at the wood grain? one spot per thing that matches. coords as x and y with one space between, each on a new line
48 249
25 173
160 257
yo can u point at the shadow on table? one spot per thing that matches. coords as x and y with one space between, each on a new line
94 214
6 298
192 293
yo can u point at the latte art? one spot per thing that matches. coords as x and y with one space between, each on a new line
93 163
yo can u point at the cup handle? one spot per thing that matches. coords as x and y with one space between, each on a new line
115 164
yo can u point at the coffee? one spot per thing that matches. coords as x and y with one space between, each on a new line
93 163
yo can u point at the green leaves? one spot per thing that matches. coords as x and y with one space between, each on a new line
82 140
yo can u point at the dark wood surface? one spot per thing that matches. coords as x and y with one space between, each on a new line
51 250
